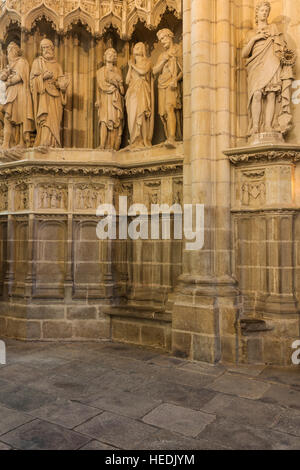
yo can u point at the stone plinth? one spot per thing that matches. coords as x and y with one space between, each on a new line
58 280
266 224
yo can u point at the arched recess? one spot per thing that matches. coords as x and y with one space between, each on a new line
79 16
161 7
88 259
37 14
6 20
109 20
50 256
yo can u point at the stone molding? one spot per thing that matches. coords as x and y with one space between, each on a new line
265 153
96 15
24 169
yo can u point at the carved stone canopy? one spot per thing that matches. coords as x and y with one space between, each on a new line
97 15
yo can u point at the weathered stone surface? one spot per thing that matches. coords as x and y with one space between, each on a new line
116 430
182 420
236 385
39 435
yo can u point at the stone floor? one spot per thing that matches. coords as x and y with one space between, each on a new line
112 396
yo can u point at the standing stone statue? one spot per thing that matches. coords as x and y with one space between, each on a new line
140 98
170 70
16 100
49 87
270 74
110 102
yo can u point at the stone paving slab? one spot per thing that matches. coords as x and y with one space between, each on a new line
97 445
40 435
238 436
244 411
66 413
167 440
289 422
22 398
182 420
118 431
288 376
234 384
176 394
131 404
4 446
282 395
103 396
11 419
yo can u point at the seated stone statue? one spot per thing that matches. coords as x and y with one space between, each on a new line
140 98
16 100
49 87
110 102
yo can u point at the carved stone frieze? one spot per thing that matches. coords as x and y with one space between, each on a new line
263 155
3 197
92 170
21 197
96 15
52 196
152 192
89 196
178 191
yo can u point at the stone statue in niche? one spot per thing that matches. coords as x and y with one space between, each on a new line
49 88
110 102
269 66
140 98
16 100
170 71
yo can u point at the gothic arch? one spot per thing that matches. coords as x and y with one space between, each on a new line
76 16
38 13
7 18
160 8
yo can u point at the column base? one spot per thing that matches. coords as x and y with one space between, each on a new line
205 314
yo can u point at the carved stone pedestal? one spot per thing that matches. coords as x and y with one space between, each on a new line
266 227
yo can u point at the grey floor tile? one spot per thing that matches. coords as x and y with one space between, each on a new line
11 419
176 394
66 413
132 404
283 395
289 422
178 419
40 435
21 374
244 411
238 385
118 431
23 398
201 368
166 440
4 446
96 445
284 375
242 437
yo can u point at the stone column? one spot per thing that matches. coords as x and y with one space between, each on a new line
205 304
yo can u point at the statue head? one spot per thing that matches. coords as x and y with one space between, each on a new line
165 36
47 49
13 51
140 50
262 11
110 56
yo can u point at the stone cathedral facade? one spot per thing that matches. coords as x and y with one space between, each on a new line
165 102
